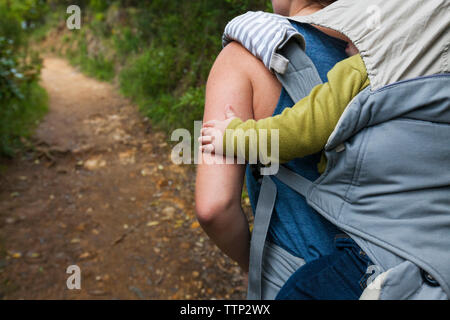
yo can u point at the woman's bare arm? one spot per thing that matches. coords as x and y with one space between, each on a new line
237 78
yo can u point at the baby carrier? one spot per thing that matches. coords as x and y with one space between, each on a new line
387 182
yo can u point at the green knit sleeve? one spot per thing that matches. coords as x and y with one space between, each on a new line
305 128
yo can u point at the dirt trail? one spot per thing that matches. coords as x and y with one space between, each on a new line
99 191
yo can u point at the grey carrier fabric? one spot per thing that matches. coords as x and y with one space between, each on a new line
387 182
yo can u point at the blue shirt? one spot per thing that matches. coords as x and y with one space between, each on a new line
295 226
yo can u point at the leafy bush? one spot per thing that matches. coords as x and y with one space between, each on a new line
22 101
98 5
163 50
167 79
152 73
126 41
93 63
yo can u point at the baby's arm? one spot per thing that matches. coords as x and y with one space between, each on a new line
303 129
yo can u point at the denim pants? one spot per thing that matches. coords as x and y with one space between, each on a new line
341 275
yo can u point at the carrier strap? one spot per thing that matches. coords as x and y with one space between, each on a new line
301 75
264 209
299 79
294 181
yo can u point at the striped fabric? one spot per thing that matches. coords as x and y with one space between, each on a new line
262 34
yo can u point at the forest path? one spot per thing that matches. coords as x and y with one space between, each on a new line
99 191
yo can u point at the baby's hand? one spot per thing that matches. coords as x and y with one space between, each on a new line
212 133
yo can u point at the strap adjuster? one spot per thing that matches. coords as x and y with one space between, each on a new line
428 279
340 148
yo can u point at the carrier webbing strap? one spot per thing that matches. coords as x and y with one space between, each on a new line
294 180
298 80
264 209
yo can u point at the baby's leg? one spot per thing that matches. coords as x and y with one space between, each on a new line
239 79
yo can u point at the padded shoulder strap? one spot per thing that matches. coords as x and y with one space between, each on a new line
299 79
301 75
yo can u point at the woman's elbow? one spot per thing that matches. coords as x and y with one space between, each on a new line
210 210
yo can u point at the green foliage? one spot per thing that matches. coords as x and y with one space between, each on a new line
10 27
169 112
152 78
9 75
151 73
98 5
167 79
163 49
92 62
22 100
29 13
98 67
126 41
188 108
244 5
20 117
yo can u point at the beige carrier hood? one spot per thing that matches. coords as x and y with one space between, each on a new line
397 39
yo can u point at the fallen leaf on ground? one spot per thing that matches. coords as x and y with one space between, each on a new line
127 157
81 227
33 255
147 172
97 293
179 223
169 213
195 225
17 255
93 164
10 220
162 183
85 255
